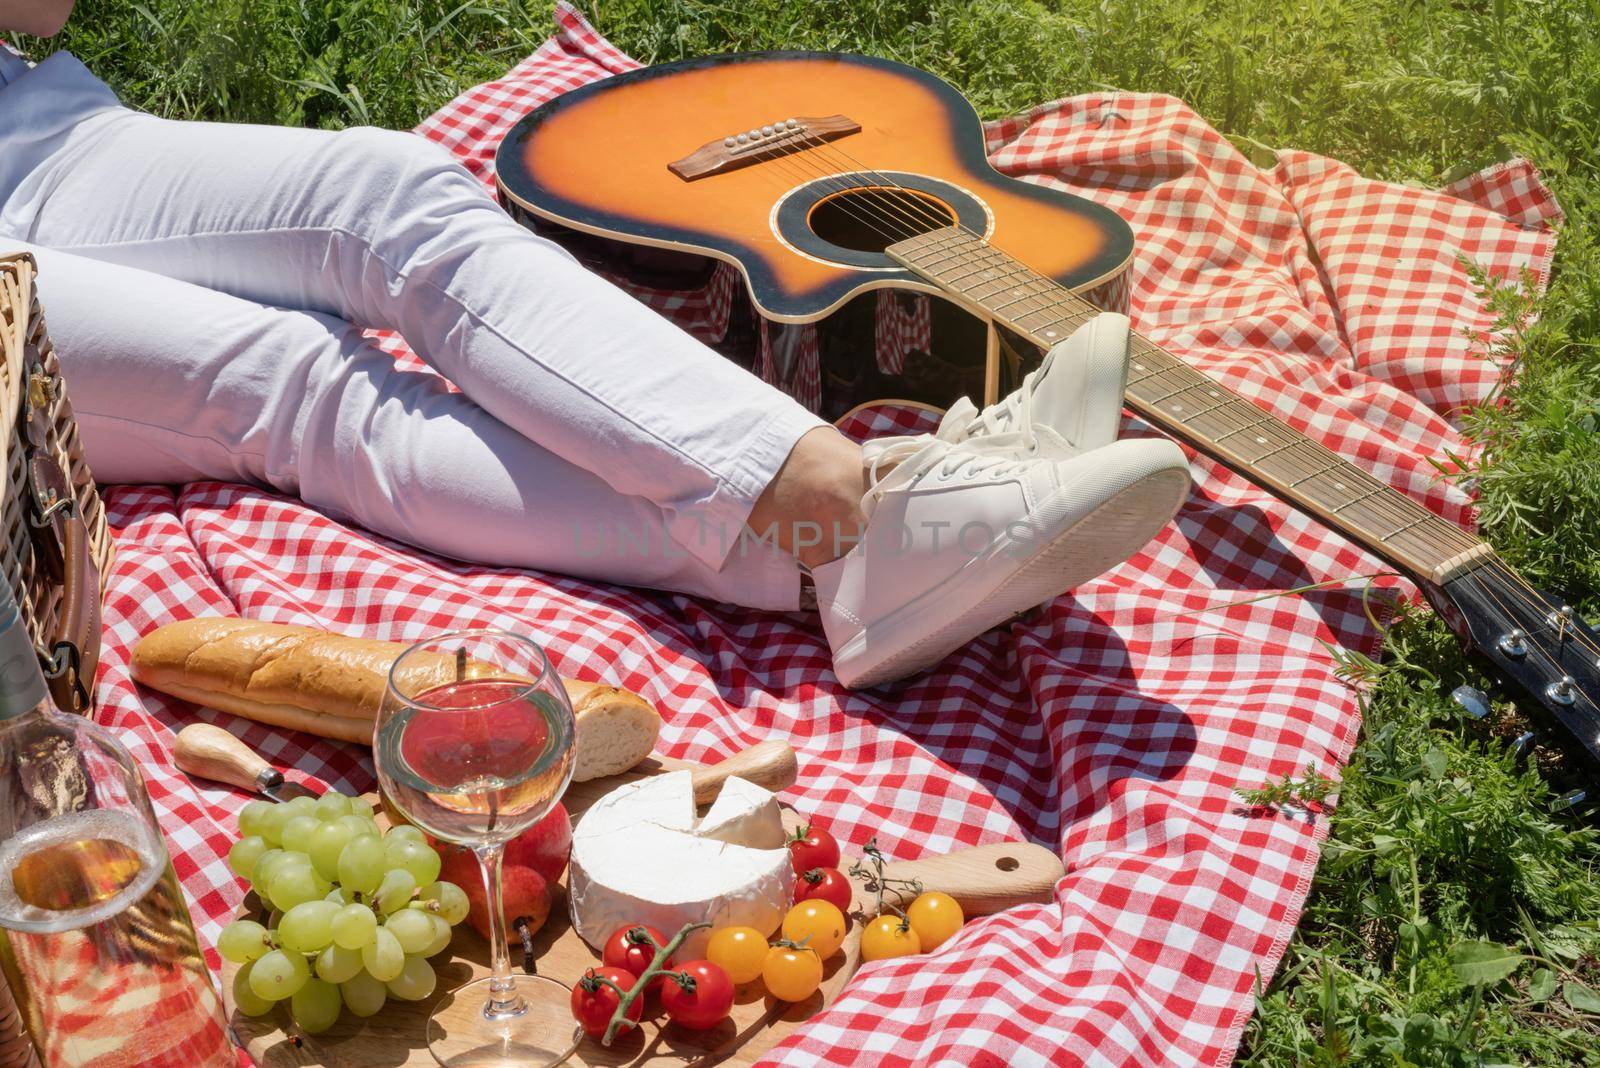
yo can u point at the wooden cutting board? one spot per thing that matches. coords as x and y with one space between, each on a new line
984 880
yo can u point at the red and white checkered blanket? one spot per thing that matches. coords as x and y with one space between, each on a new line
1115 724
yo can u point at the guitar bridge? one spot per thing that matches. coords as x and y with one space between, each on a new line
760 143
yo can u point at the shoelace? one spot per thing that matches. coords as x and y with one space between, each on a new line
948 451
1000 438
1013 414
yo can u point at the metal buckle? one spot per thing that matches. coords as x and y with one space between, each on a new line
63 661
57 661
68 506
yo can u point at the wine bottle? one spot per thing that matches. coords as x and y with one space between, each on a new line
95 940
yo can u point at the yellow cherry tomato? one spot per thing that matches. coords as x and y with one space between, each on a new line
889 936
935 917
739 951
792 974
819 924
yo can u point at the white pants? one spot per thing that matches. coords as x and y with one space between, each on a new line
200 281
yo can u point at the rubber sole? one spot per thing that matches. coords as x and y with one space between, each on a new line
1091 546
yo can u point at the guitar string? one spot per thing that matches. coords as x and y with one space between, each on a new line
1406 506
1544 611
1437 537
1533 643
1397 506
1590 644
1457 538
1405 521
1438 534
791 149
833 183
1412 512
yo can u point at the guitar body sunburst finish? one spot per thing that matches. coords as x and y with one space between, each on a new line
591 168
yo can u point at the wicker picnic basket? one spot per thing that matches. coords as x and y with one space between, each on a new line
55 547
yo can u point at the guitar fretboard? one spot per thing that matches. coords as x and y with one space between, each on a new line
1196 408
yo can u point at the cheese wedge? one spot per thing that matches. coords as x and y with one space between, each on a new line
639 856
744 814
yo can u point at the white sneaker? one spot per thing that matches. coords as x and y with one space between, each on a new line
961 536
1076 394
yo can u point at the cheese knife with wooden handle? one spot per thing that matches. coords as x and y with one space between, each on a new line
212 753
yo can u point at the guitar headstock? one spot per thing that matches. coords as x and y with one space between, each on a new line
1535 640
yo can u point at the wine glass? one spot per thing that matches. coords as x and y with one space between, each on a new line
474 744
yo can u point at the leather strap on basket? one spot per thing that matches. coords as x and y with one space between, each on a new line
71 653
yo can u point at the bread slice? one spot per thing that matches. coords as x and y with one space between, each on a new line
616 729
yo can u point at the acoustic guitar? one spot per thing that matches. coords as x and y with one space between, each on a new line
836 182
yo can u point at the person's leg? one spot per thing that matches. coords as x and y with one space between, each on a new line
385 229
172 382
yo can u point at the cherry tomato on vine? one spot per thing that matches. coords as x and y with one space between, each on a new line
935 917
739 951
889 936
818 924
823 884
701 1002
594 1003
792 974
813 847
629 948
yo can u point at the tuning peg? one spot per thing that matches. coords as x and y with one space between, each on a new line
1571 799
1522 745
1472 700
1564 691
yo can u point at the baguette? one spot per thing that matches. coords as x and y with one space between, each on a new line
331 685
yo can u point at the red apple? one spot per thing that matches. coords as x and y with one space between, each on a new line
525 893
544 846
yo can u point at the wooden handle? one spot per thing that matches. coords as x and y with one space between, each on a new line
987 878
212 753
770 764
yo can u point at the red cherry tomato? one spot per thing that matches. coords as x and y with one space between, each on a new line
701 1002
813 847
824 884
594 1003
629 948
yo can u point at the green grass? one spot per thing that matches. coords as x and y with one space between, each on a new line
1453 920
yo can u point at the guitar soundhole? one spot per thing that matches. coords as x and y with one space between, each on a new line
873 218
849 219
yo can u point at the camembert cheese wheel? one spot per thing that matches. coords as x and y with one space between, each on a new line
639 855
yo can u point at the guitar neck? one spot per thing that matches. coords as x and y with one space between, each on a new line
1197 409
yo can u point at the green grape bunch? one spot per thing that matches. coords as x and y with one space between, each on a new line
355 913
